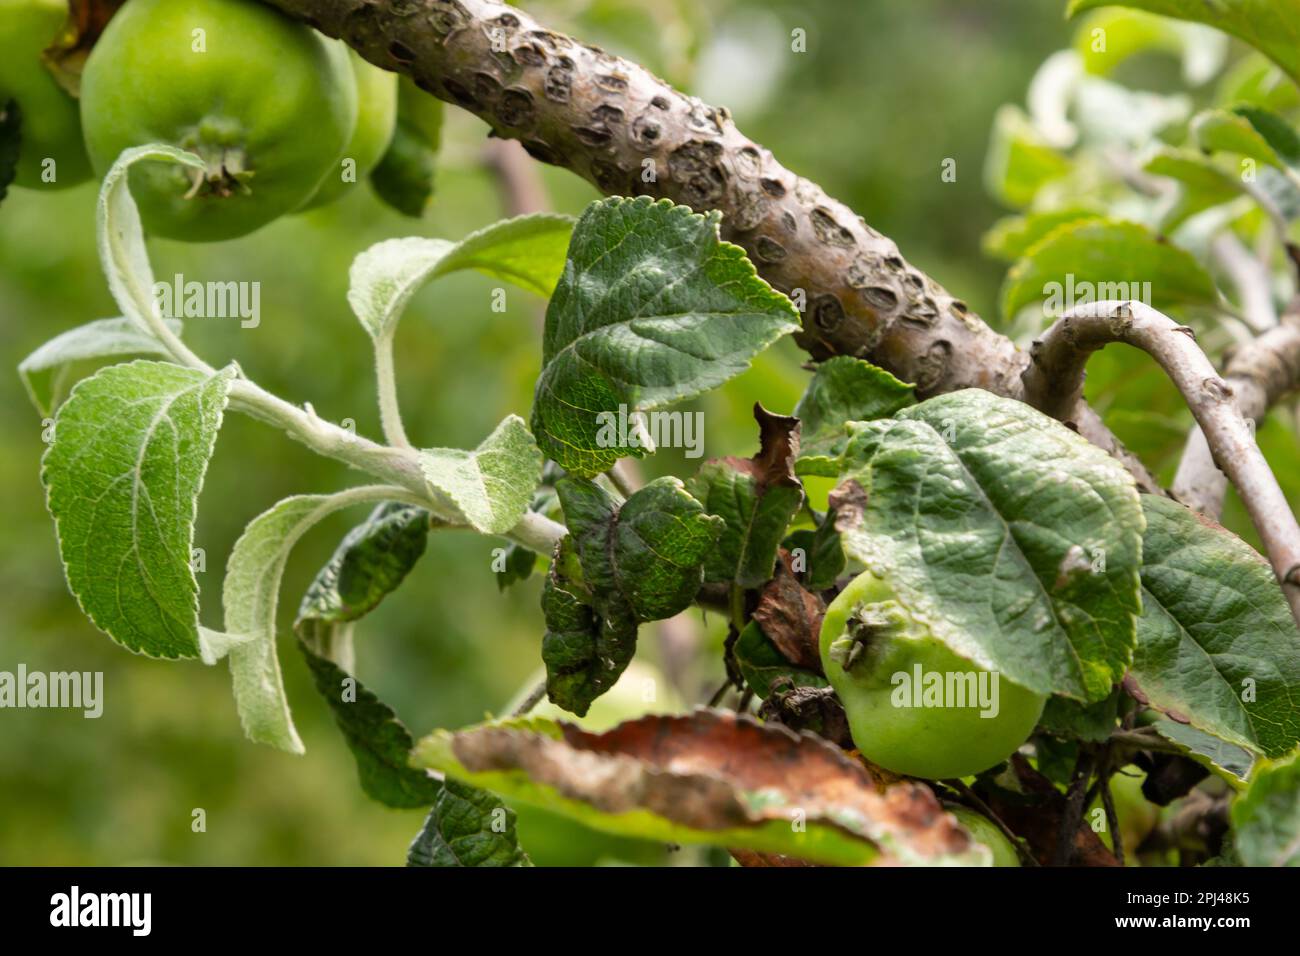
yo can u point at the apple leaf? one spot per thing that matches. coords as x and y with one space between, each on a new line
250 596
1019 161
1271 26
122 477
652 309
638 561
1266 818
467 827
493 485
708 777
1013 536
1248 131
1216 641
44 372
376 736
846 389
1121 260
756 498
1012 236
1207 749
527 251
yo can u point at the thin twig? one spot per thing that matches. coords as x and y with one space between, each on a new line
532 700
1072 815
1112 818
1054 384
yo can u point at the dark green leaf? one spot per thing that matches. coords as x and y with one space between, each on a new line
467 827
1216 642
378 740
756 498
1206 748
405 177
1017 539
652 309
845 389
1072 719
761 663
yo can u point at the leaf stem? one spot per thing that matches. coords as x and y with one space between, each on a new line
390 413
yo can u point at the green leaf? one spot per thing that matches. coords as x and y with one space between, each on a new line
1215 629
1014 537
1020 161
756 498
528 251
1116 260
822 560
250 597
1013 236
1077 721
845 389
1271 26
122 477
467 827
492 485
368 565
405 177
122 251
1208 749
44 372
1266 818
1255 133
761 663
1131 32
376 736
652 309
10 143
641 561
745 783
519 566
1204 183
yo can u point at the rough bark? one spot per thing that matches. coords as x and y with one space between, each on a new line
1259 374
630 133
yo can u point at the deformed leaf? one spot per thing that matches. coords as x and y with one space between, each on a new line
1216 642
467 827
527 250
652 309
376 736
639 561
250 596
1266 818
1101 259
122 477
791 617
756 498
492 485
709 777
369 563
846 389
1016 539
44 371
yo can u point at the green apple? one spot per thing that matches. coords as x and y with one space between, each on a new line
985 831
914 706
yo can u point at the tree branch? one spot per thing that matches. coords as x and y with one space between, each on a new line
1054 383
1259 374
629 133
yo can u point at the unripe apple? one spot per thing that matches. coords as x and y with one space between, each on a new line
985 831
914 706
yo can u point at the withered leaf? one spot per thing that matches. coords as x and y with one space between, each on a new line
791 617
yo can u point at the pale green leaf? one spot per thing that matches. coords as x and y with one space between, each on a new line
250 597
1016 539
1254 133
44 372
1207 749
1266 818
1012 236
1216 641
123 475
652 309
492 485
528 251
1019 161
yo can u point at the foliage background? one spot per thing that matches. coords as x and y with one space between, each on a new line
887 90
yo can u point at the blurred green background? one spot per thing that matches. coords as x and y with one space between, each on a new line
887 90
